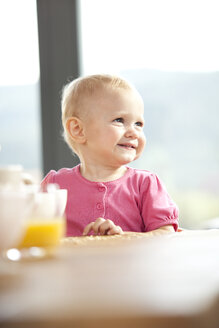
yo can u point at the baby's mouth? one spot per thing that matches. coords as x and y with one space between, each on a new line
127 146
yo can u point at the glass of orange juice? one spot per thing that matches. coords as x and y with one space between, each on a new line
45 225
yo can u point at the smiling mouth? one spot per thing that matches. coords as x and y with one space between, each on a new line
127 146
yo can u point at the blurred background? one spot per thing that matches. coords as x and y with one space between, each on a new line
168 49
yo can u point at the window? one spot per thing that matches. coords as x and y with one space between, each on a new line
20 136
169 50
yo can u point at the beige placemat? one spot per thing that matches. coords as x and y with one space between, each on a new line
132 236
103 240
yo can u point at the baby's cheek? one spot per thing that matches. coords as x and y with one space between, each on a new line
144 140
141 146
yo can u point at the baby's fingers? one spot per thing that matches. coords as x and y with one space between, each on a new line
106 226
116 230
93 226
102 227
98 224
88 228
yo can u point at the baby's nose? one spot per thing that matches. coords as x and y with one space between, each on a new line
131 131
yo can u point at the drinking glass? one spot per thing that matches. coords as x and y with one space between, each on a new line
43 227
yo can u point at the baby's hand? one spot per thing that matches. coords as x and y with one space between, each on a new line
102 227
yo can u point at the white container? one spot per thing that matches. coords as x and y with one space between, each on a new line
14 209
11 177
49 204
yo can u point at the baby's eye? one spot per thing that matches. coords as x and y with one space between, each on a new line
119 120
140 124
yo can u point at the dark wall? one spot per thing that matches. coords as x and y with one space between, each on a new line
59 62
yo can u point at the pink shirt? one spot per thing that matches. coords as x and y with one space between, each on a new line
137 201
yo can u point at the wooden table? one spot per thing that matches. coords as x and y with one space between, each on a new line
129 281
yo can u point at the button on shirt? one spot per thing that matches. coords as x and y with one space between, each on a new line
101 189
137 201
100 201
99 206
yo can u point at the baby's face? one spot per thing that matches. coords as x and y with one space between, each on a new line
114 128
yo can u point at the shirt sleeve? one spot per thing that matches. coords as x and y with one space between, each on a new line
49 178
158 209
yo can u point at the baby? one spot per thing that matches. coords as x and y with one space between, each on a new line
103 120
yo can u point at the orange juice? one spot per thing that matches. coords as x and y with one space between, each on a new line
43 233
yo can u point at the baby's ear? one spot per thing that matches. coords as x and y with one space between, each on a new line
75 129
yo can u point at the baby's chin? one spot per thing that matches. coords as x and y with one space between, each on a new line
127 161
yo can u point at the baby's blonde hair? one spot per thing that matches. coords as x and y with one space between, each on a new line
83 88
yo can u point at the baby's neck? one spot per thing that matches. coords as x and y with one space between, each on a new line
102 174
